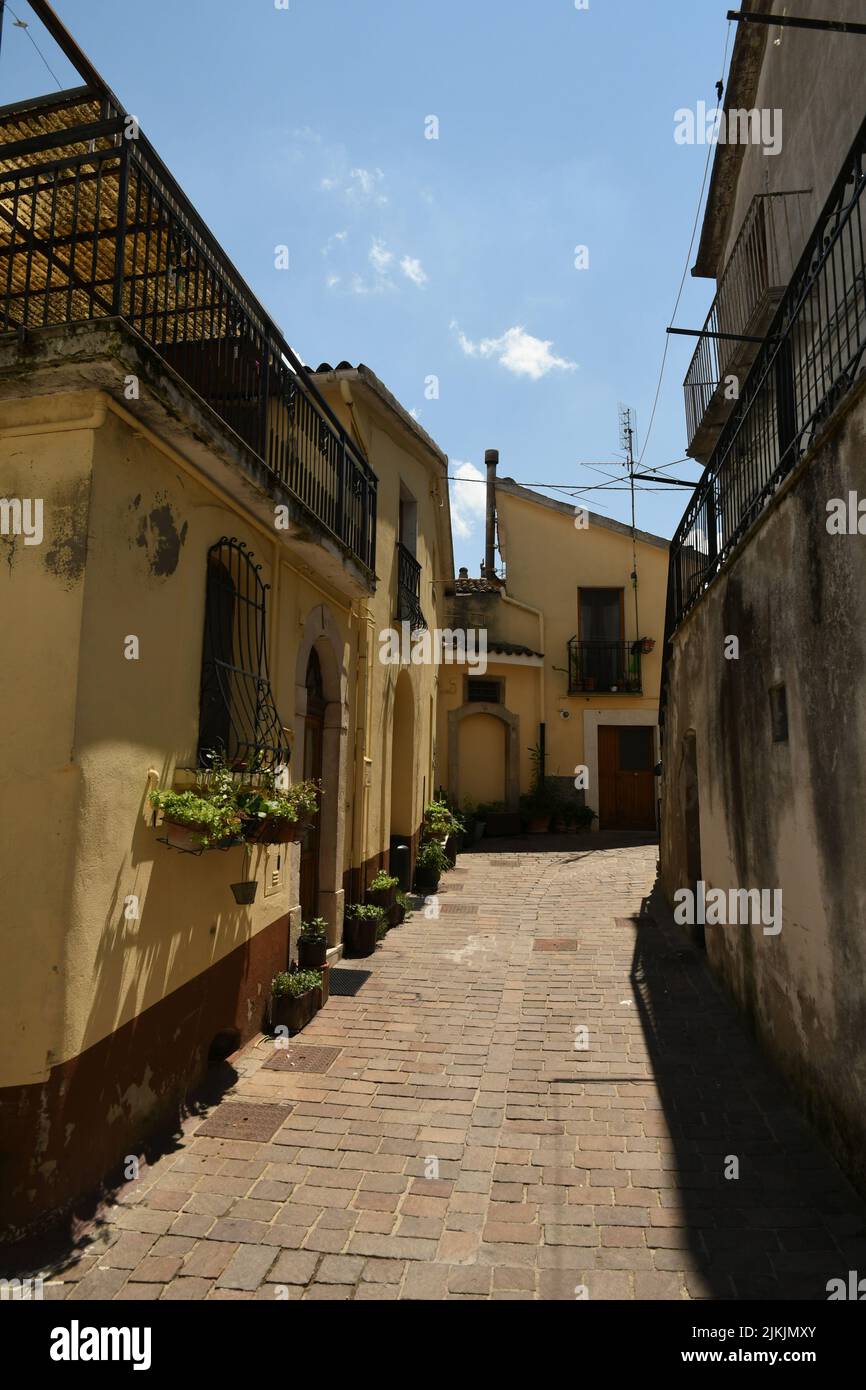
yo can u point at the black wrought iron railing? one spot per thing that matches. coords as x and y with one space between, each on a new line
93 226
612 667
812 356
409 589
748 293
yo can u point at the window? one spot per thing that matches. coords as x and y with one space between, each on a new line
408 521
238 719
779 713
482 691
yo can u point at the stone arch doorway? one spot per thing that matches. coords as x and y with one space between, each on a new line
497 722
322 724
403 811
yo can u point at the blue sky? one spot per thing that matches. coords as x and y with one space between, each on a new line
451 257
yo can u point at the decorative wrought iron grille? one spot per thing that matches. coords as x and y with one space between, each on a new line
812 356
238 719
409 589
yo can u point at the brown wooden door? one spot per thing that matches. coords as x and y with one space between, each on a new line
313 730
626 793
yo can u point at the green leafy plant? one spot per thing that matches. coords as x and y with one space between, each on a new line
291 984
381 931
402 900
214 820
382 882
366 912
298 802
316 931
432 856
440 821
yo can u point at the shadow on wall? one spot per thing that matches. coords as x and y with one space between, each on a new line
784 1227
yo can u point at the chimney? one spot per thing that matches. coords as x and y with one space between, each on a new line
491 459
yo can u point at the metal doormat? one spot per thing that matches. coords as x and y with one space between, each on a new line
554 943
317 1059
347 982
466 908
233 1120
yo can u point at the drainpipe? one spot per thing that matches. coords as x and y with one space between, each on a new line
491 459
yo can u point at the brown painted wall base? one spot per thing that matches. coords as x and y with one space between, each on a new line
63 1139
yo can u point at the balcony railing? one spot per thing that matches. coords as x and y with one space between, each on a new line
93 226
813 355
748 294
609 667
409 589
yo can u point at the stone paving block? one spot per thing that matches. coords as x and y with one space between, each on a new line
247 1267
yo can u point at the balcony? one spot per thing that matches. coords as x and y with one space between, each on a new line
814 354
611 668
748 295
93 226
409 590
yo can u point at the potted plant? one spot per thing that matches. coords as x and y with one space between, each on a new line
501 821
360 926
430 864
294 998
401 907
538 805
195 820
275 817
382 892
313 944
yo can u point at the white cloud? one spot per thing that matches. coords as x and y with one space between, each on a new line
328 185
332 281
380 256
518 351
468 499
333 241
413 270
362 186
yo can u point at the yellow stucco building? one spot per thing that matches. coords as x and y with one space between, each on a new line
572 666
200 537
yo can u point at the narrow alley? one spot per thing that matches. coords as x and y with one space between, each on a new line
539 1094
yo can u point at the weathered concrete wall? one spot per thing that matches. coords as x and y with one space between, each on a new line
788 815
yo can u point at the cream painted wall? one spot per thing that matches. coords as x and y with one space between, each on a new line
595 557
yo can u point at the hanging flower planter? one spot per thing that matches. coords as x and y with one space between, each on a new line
245 892
647 644
280 817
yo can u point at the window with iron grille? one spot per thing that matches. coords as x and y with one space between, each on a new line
238 719
483 692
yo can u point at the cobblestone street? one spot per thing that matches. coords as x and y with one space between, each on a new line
457 1142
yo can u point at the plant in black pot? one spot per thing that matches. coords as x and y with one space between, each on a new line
401 908
382 892
313 944
430 864
295 996
360 927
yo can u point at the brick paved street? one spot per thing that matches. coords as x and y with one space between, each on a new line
460 1146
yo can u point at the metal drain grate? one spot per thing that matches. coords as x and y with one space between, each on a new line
347 982
233 1120
466 908
554 943
313 1059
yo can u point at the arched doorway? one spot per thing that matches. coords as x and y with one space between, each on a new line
314 727
403 760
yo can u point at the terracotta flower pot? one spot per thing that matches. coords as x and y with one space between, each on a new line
275 831
184 836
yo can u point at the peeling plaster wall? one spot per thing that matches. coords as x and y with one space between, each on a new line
789 815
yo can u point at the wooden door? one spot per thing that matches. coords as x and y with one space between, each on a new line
314 725
626 780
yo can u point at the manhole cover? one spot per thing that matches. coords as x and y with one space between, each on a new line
554 943
465 908
232 1120
347 981
303 1058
